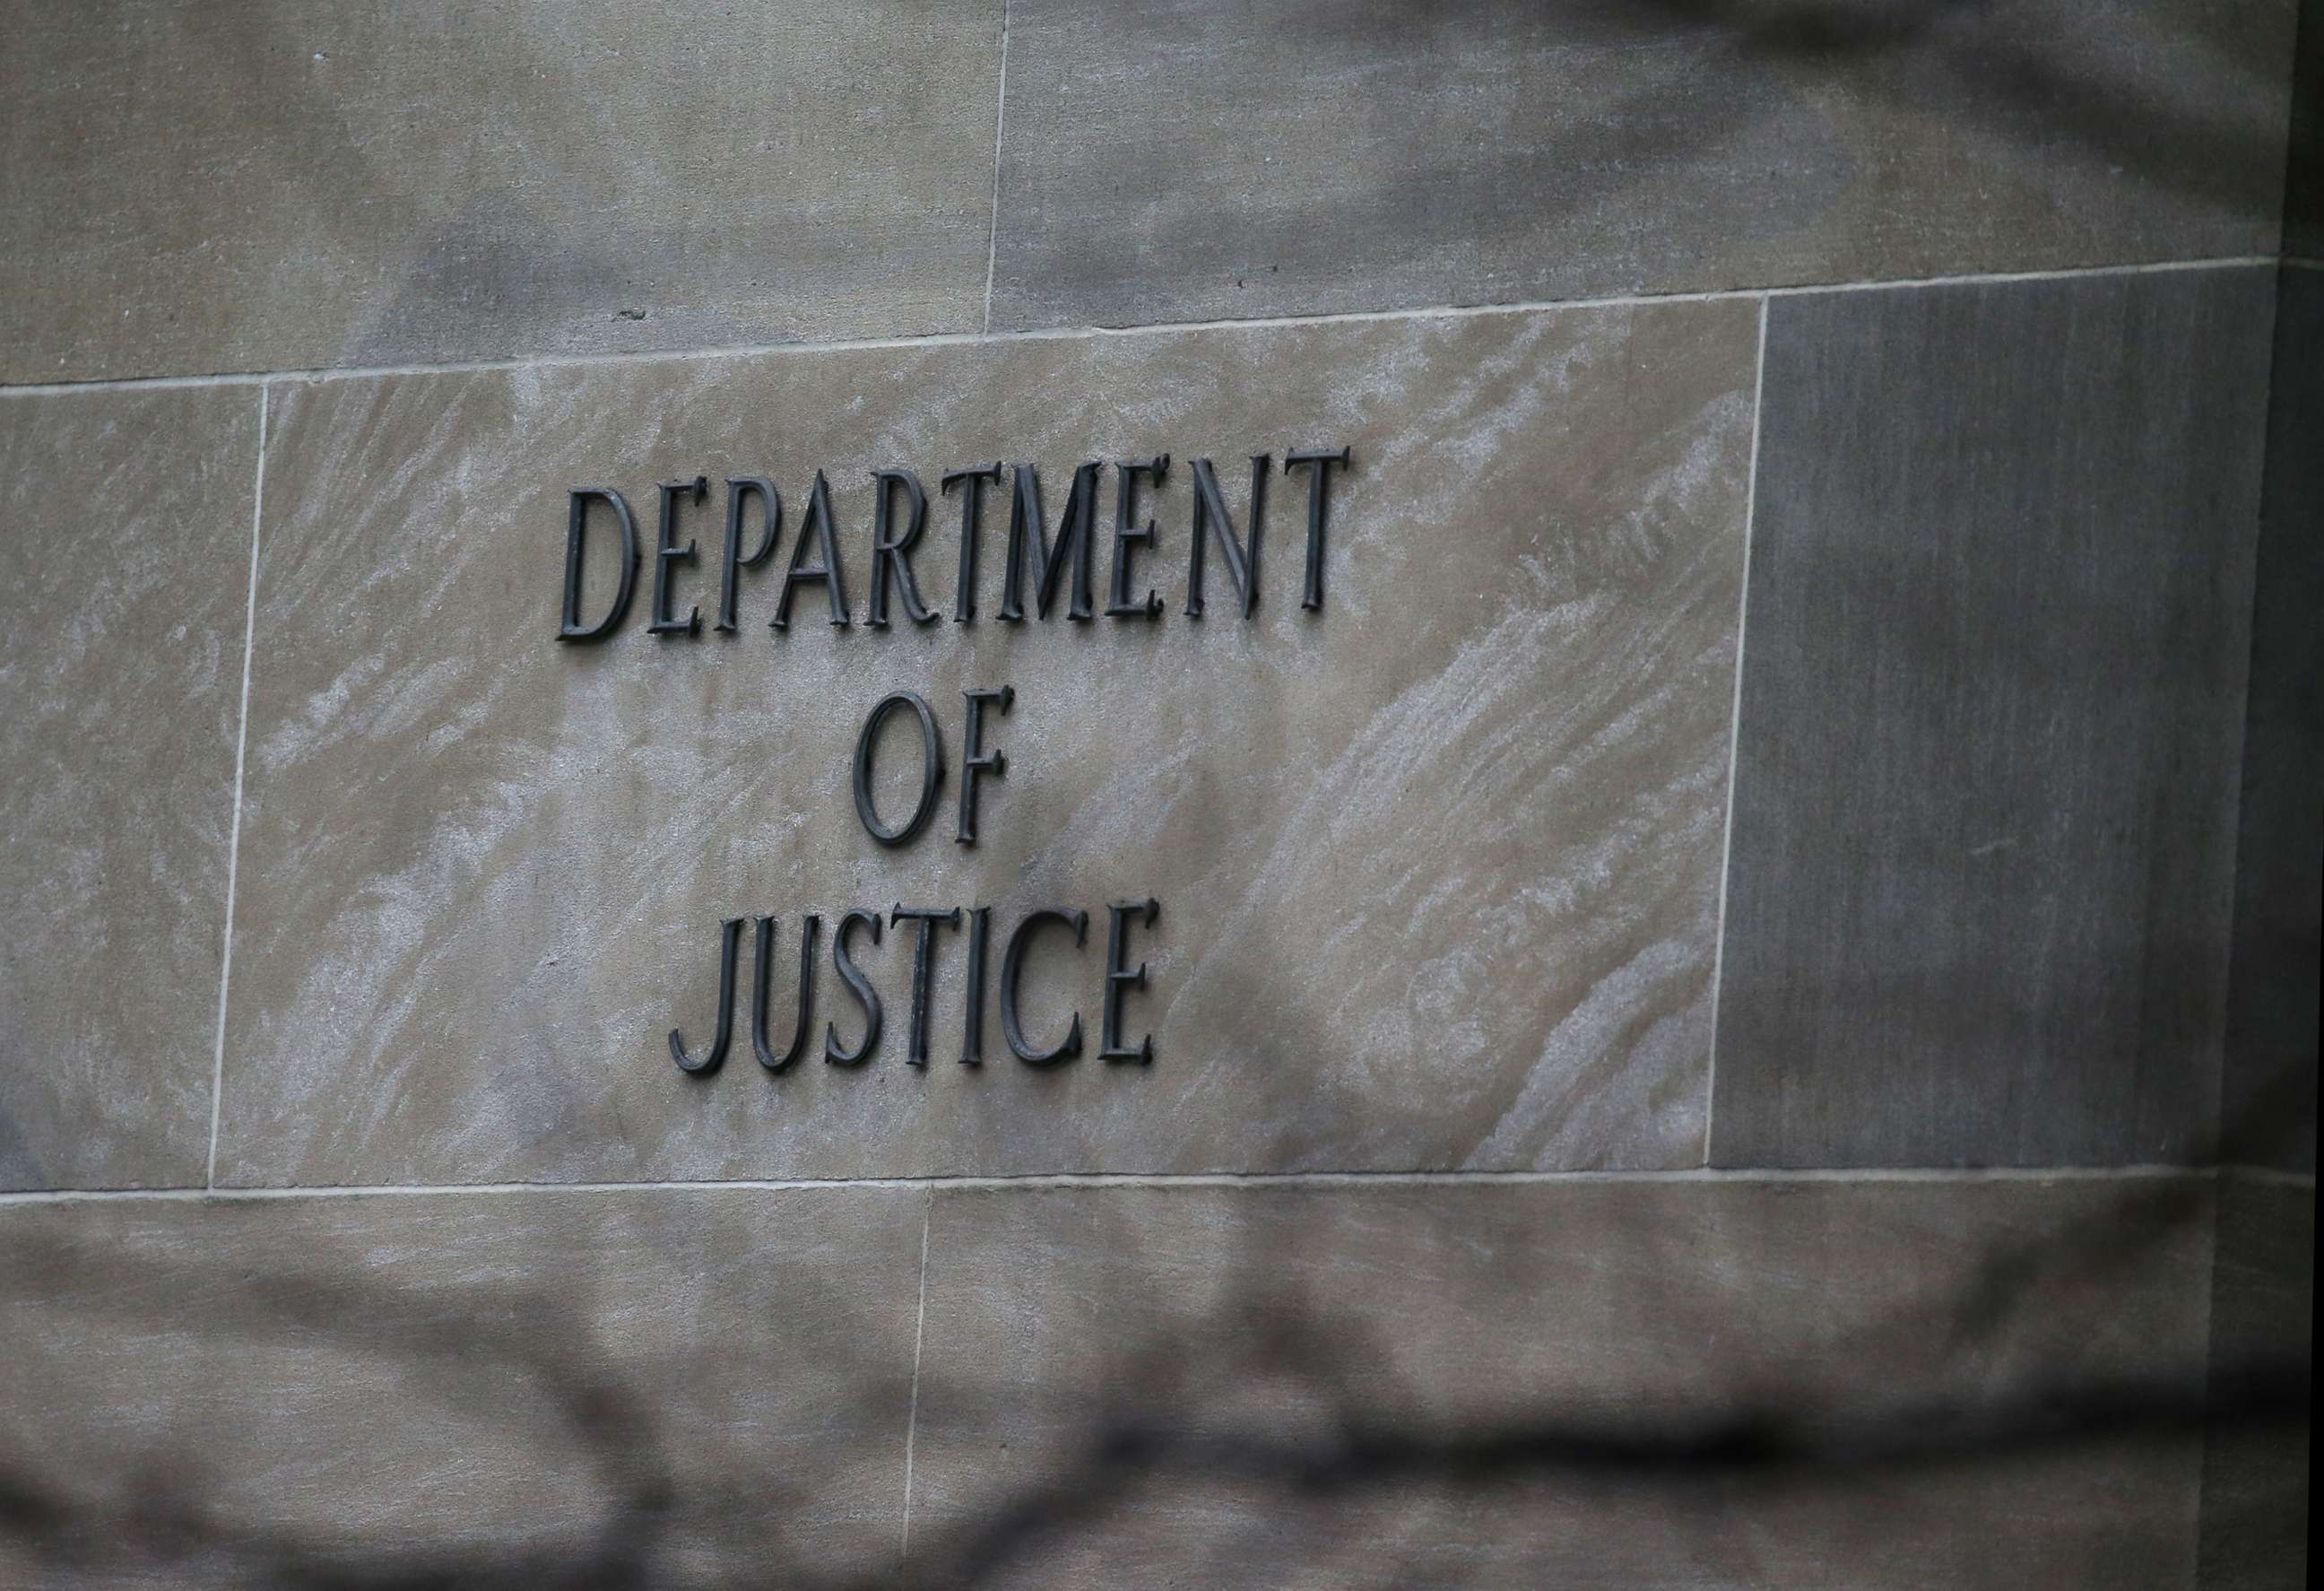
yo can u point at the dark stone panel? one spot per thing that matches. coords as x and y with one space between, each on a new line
1994 649
1192 159
2303 176
2269 1095
2253 1535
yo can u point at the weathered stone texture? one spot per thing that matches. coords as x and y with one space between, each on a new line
276 185
655 1387
125 561
2268 1089
1336 1322
1438 866
2255 1525
1195 159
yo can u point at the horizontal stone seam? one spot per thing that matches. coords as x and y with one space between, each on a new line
1703 1176
1095 333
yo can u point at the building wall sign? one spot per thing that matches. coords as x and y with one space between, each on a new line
1037 568
1228 748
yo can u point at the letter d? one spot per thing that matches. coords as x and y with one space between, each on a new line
576 532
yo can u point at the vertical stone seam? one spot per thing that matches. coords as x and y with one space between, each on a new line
912 1419
1735 726
1000 123
2225 1141
2232 1141
2207 1336
234 832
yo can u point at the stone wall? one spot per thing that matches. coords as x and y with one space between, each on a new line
1775 890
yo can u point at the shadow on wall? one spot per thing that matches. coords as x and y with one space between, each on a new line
549 238
1456 1383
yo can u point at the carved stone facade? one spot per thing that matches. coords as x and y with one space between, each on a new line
1730 996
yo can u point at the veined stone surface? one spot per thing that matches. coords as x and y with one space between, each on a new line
1438 867
126 565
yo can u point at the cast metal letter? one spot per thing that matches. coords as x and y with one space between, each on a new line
895 552
971 1044
1311 596
739 489
915 1052
1029 549
865 994
826 541
1119 979
931 768
576 528
1118 604
972 515
974 759
809 931
1012 966
1210 514
666 551
730 938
